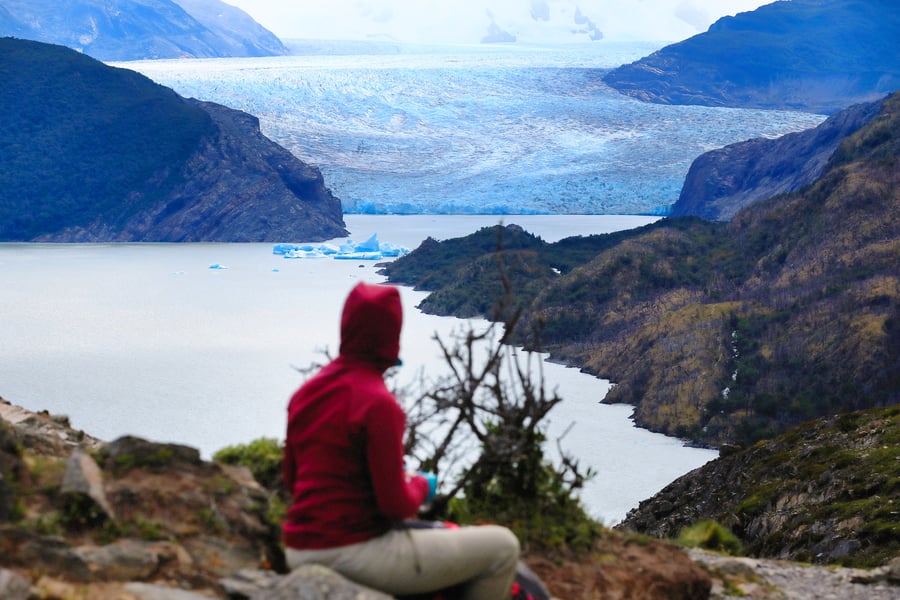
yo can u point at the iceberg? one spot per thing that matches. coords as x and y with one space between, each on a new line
217 266
369 249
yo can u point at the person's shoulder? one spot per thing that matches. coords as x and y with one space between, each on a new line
377 402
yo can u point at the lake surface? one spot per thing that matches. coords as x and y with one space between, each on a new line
147 340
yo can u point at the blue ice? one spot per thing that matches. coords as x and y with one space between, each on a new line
369 249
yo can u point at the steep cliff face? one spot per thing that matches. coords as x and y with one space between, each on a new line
723 181
93 153
146 29
812 55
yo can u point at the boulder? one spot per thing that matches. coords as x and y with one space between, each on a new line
13 586
130 451
309 582
82 485
124 560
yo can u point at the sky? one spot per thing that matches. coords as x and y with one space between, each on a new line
468 21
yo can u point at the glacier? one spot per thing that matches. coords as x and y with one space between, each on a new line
481 129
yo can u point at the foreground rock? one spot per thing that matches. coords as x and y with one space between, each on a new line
766 579
136 520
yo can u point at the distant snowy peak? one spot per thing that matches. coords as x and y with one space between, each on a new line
523 21
550 21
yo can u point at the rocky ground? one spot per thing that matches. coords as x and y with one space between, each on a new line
135 520
740 577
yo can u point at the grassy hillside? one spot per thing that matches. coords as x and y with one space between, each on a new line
77 137
728 332
823 492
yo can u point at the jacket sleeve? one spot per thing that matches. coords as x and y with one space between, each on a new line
396 497
287 470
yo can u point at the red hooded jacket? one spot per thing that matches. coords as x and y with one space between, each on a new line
343 458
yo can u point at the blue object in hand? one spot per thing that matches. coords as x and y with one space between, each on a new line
431 478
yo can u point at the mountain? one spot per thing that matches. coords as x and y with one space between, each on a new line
722 181
824 492
809 55
94 153
716 332
140 29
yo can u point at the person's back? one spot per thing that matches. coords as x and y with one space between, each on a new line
331 421
343 465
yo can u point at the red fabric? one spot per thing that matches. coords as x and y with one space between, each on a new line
343 461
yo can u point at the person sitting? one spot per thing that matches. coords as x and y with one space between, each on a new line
343 465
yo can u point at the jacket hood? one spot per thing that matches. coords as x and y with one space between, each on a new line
371 323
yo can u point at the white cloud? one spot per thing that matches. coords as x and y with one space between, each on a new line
467 21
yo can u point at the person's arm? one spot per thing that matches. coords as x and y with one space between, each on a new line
397 497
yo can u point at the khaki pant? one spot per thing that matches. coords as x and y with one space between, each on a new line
413 561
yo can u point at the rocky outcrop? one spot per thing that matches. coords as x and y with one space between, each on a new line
136 30
174 526
824 492
810 55
105 154
723 181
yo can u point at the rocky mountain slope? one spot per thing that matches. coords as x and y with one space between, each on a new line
132 519
717 332
825 492
94 153
811 55
135 30
723 181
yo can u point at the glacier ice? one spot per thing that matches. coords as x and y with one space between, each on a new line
369 249
499 130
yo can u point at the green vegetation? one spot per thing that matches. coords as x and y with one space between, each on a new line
718 332
549 518
78 138
823 492
827 484
496 397
262 456
125 462
711 535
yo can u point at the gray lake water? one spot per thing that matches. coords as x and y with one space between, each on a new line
147 340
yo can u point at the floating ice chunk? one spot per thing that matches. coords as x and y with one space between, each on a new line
370 249
305 254
388 249
370 245
217 266
284 248
359 256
